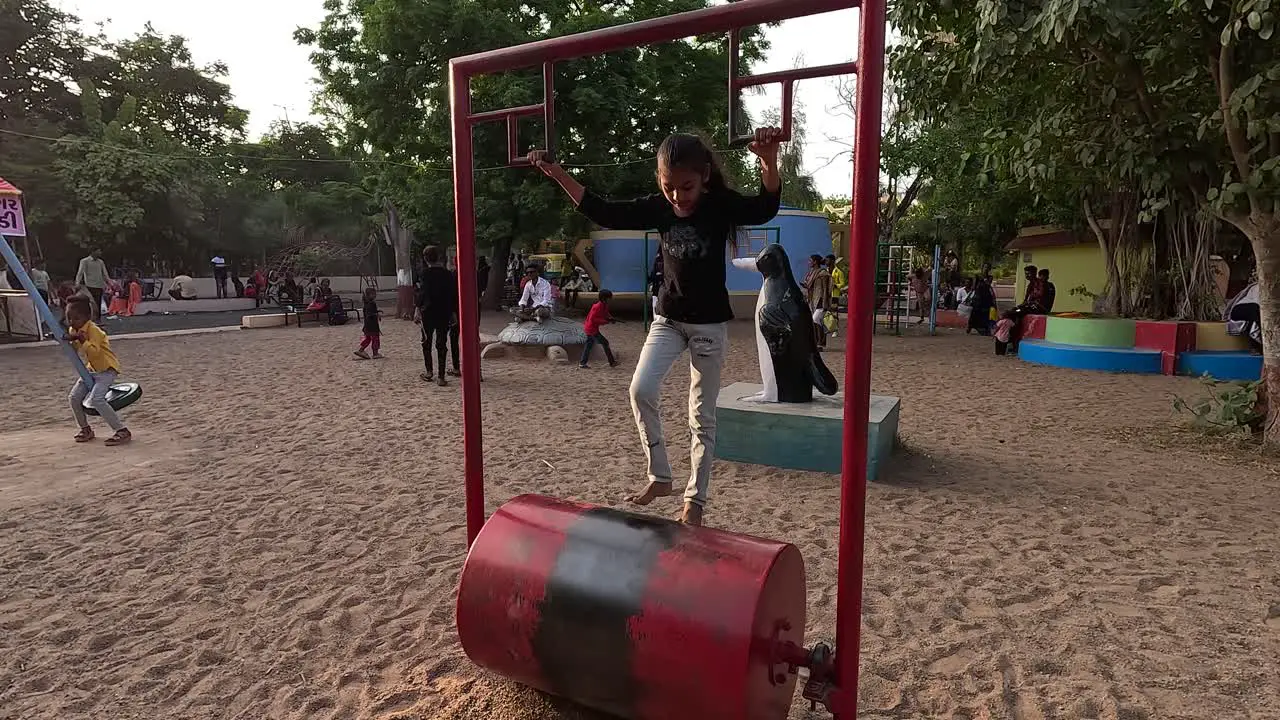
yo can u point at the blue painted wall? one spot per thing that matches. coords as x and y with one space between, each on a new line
621 260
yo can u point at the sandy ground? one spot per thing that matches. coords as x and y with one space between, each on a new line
284 538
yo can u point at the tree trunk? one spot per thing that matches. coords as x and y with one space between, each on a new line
1107 302
497 274
1266 249
401 239
1263 231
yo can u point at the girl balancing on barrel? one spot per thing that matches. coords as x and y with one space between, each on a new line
697 214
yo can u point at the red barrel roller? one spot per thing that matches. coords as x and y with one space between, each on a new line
634 615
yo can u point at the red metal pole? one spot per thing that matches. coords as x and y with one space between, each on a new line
862 258
794 74
468 312
706 21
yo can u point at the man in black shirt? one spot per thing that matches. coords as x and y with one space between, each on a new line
437 309
1050 292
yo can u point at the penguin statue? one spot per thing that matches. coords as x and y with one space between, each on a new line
790 364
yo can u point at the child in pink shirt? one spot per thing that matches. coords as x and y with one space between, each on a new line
1003 330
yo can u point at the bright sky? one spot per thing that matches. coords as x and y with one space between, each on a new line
272 78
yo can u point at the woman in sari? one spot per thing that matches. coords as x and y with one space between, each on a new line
119 304
817 293
983 299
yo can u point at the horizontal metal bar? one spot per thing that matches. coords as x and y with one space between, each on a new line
514 112
715 19
848 68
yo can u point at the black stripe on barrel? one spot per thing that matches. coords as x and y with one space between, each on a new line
583 643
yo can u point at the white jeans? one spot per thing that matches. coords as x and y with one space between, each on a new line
667 341
97 400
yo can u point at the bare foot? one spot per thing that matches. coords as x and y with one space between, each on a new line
692 514
652 491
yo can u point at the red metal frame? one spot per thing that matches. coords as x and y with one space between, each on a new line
787 78
547 108
717 19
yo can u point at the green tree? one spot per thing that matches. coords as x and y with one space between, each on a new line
1150 112
384 73
295 184
41 52
191 103
131 193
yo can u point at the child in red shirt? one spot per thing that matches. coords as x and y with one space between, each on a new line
597 316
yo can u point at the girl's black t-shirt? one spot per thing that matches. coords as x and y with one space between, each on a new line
693 248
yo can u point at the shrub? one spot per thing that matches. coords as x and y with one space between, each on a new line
1229 407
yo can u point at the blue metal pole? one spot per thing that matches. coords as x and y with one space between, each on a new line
648 269
42 307
933 301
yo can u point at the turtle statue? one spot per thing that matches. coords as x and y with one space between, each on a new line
556 338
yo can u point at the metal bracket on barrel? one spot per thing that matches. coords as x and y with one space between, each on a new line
547 108
820 687
787 78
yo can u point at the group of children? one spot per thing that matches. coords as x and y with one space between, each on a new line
696 213
436 312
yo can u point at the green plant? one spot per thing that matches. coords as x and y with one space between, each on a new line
1084 292
1226 406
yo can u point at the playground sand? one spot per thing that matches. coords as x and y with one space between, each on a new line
284 538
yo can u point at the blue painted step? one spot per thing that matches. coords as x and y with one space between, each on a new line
1084 357
1221 364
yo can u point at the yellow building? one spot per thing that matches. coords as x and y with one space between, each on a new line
1073 260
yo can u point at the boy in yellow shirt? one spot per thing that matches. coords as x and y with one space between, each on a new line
91 342
839 284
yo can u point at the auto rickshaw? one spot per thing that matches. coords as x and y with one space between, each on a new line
554 266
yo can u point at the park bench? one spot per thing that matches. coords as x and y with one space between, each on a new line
353 311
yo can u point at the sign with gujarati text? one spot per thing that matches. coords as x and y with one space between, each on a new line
11 221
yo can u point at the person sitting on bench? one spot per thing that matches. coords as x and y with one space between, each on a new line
290 292
182 287
535 301
320 297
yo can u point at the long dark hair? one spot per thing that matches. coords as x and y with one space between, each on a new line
691 152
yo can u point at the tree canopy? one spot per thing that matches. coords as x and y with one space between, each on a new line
132 147
1157 125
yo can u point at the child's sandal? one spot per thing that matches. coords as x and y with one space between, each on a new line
85 435
120 438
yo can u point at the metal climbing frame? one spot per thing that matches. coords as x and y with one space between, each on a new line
893 265
730 18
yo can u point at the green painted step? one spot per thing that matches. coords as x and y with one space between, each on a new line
1091 332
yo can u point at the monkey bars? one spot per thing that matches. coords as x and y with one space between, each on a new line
728 18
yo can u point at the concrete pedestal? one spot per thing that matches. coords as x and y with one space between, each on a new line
798 436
